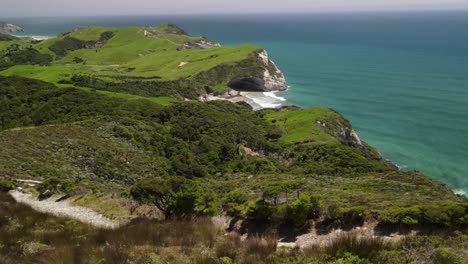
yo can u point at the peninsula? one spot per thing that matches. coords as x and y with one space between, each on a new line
117 134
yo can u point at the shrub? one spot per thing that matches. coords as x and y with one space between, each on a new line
299 211
207 201
316 205
275 133
62 46
78 60
446 256
226 260
228 246
234 202
17 55
333 212
449 214
56 185
409 216
260 212
354 215
6 185
257 248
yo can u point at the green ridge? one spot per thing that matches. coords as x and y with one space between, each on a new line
128 56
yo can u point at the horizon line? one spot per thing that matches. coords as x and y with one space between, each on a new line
335 12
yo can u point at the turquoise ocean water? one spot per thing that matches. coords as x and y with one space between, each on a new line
400 78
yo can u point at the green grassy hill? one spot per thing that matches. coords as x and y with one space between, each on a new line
113 58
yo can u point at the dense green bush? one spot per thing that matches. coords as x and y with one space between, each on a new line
354 216
62 46
294 213
6 185
260 212
299 211
17 55
56 185
449 214
336 160
234 203
176 89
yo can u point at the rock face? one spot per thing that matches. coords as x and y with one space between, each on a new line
6 28
272 79
201 44
350 137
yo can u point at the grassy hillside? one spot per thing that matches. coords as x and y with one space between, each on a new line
110 58
277 171
83 137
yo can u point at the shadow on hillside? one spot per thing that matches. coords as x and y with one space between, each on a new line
289 234
286 233
327 226
427 230
251 228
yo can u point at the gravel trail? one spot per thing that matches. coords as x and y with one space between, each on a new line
64 209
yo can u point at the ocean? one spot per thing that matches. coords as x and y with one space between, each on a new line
400 78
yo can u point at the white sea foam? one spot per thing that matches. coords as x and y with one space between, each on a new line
273 95
460 192
35 37
260 100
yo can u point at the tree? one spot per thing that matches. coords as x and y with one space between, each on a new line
234 202
78 60
161 192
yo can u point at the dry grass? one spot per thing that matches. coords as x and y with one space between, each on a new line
362 246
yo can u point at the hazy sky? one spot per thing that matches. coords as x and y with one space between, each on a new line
131 7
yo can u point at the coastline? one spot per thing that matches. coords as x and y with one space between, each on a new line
257 100
33 37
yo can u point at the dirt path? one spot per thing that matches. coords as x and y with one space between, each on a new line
64 209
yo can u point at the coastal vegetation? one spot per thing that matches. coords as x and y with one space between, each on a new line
101 117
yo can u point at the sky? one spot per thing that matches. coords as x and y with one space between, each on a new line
12 8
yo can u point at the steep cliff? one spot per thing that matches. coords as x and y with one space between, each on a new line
270 79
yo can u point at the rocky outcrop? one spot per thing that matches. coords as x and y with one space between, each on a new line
344 131
349 137
272 79
164 28
201 44
6 28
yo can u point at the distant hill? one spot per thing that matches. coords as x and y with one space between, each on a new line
6 37
148 61
6 28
